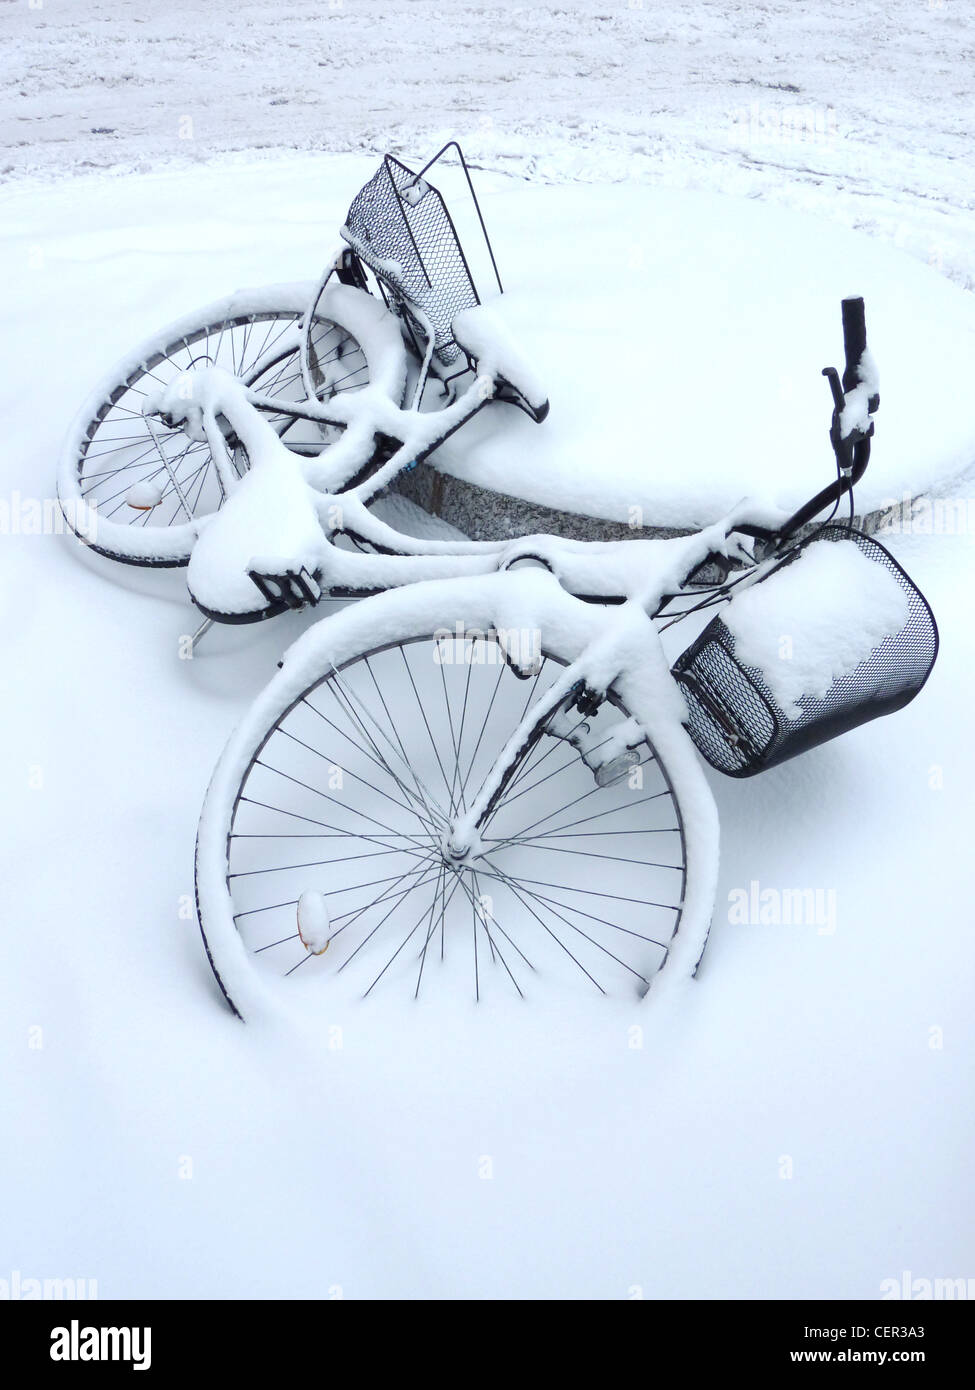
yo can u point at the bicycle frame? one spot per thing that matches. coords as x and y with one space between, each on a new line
380 440
333 510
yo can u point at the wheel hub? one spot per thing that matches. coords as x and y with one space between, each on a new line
460 850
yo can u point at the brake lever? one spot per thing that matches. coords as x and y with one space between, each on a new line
844 444
836 386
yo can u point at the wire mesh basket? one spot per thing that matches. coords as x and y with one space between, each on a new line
742 726
400 227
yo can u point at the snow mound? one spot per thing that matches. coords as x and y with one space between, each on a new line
816 620
681 336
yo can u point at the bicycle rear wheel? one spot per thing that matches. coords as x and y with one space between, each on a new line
321 856
147 486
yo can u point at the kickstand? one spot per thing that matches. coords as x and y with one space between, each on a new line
200 633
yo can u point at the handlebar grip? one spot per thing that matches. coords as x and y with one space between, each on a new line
854 340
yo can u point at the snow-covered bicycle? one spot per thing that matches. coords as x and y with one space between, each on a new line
487 769
487 774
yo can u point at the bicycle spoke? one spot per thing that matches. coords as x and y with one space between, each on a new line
426 722
495 948
624 806
405 806
371 934
591 916
349 697
344 834
377 760
349 918
450 726
430 929
317 792
399 741
557 939
484 724
616 858
399 948
591 939
460 740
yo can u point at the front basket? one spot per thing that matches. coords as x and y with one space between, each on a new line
739 724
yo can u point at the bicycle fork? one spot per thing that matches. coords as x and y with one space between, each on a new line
562 713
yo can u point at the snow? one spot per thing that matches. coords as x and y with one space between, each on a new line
797 1123
855 414
376 334
694 389
313 921
153 544
268 523
143 496
483 333
815 620
864 116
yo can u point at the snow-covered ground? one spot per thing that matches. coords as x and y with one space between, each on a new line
802 1126
863 112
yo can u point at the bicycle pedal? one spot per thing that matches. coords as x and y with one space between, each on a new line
305 587
296 589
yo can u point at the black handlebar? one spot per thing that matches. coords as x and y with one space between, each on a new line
854 340
853 449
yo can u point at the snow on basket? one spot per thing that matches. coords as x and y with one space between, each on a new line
836 636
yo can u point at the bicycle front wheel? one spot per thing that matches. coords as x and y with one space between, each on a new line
322 859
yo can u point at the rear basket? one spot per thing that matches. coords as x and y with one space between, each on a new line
399 225
741 727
